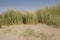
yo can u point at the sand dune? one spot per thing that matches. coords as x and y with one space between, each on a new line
14 32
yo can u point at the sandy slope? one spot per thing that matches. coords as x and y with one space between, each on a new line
13 32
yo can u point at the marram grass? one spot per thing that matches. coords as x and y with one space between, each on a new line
47 15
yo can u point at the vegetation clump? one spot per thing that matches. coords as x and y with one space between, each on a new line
47 15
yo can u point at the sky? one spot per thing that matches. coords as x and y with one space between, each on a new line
25 4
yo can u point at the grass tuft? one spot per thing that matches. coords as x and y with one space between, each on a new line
47 15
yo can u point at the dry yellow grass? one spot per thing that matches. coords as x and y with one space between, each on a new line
48 15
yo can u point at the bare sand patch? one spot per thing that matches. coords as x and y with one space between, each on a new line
13 32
